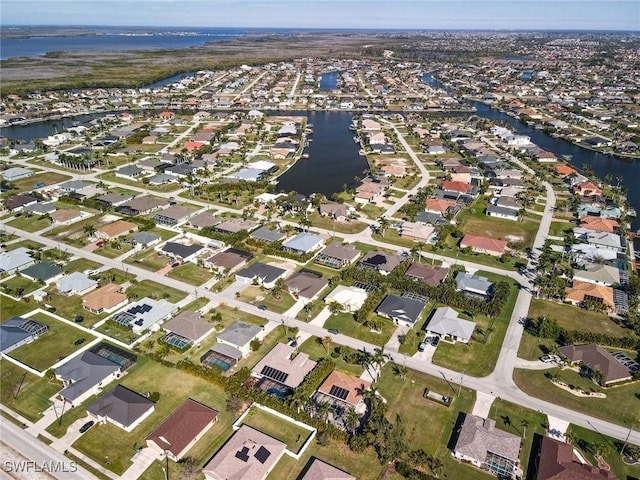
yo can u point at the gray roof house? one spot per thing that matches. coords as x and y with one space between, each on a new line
189 325
284 365
40 208
173 215
401 309
262 273
122 407
474 284
180 251
18 331
304 242
319 470
145 239
76 283
337 255
482 444
45 271
599 274
382 262
446 324
239 336
15 260
129 172
502 212
268 235
16 173
306 285
84 375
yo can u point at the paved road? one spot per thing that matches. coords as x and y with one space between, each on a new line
45 457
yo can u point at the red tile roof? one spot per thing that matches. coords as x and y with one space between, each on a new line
483 243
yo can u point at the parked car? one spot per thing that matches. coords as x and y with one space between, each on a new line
79 341
262 307
333 331
422 346
79 319
435 341
86 426
550 358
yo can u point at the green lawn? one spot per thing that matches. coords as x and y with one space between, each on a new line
48 178
57 342
278 305
314 348
191 273
287 432
13 285
108 250
346 325
111 177
500 228
149 260
24 392
619 406
197 304
80 265
30 223
29 244
479 356
532 348
174 387
69 306
372 212
118 332
557 228
148 288
586 441
10 307
519 421
352 226
575 318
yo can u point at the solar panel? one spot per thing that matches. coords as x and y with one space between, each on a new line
339 392
274 374
262 454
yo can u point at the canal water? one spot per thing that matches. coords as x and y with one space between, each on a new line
328 81
628 170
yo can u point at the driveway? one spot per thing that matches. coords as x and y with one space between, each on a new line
393 345
73 434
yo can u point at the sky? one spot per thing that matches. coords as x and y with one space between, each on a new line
382 14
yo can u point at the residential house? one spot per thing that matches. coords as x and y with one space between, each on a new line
502 212
142 206
429 274
266 234
261 274
228 261
203 220
598 274
603 240
177 434
416 232
173 215
16 173
382 262
143 240
239 336
343 391
179 252
122 407
448 326
480 443
17 202
580 292
76 283
596 358
586 189
67 216
144 314
189 328
105 299
235 225
402 310
303 243
129 172
113 199
15 260
18 331
115 229
306 285
283 366
557 461
43 272
479 244
319 470
248 455
350 298
440 206
337 211
337 255
599 224
85 375
473 284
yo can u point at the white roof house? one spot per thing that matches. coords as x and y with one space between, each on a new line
598 274
304 242
14 260
446 324
143 314
350 298
76 283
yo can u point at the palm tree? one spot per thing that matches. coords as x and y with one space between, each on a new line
436 466
335 307
326 342
278 288
351 420
298 399
524 423
383 224
89 229
570 437
323 409
401 371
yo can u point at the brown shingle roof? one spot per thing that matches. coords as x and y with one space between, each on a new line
115 229
188 324
431 275
320 470
557 462
596 358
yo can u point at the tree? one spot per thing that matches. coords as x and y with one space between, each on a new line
383 224
335 307
278 288
189 468
89 229
326 341
234 404
351 420
401 371
323 409
298 399
436 466
524 423
570 437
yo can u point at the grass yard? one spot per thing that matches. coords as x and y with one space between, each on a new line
251 295
197 304
148 288
30 223
74 234
500 228
148 259
80 265
11 308
24 392
575 318
314 348
618 407
57 342
69 306
391 236
519 421
532 348
191 273
114 275
17 283
346 325
48 178
371 211
29 244
174 387
111 177
287 432
587 440
108 250
478 358
117 332
557 228
352 226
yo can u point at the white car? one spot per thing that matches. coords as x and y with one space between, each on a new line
550 359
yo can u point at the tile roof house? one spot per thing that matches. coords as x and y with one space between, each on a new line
178 433
66 216
485 446
427 273
401 309
283 364
105 299
234 225
558 462
85 375
599 224
439 205
320 470
337 255
122 407
203 220
597 358
581 292
15 260
18 331
382 262
76 283
337 211
189 325
115 229
446 324
480 244
346 389
306 285
239 336
248 455
45 272
586 188
261 273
